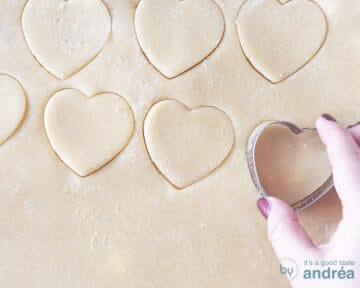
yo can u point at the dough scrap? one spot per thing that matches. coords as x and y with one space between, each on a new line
278 37
177 35
87 133
291 166
186 145
12 106
64 36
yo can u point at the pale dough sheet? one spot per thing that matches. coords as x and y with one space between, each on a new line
166 199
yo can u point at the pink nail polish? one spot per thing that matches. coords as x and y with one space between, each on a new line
264 207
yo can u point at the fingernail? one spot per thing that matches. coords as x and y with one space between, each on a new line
264 207
328 117
354 125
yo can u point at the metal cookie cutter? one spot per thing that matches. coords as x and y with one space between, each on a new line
308 200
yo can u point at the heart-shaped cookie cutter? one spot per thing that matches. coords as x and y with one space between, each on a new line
308 200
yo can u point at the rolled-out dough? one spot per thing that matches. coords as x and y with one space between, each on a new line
65 35
126 225
176 35
87 133
13 106
187 145
271 32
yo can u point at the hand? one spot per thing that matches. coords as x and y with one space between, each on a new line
290 240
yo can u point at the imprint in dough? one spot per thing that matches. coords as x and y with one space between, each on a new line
291 166
12 106
187 145
64 36
87 133
177 35
278 38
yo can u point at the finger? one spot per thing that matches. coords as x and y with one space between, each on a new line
287 236
355 132
343 152
344 156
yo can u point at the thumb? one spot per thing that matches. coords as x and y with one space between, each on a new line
288 237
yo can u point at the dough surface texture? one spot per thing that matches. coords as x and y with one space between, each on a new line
187 145
88 133
12 106
177 35
65 35
95 186
278 39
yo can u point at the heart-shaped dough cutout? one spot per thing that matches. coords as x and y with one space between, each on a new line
87 133
176 35
12 106
65 35
187 145
280 37
290 163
